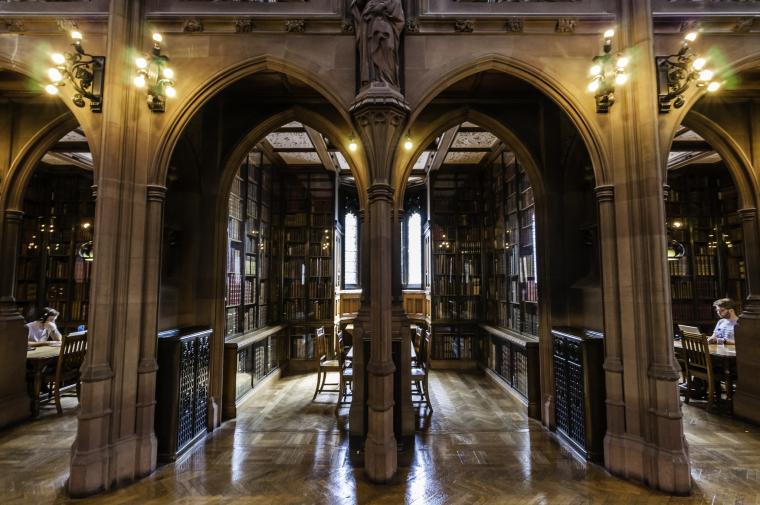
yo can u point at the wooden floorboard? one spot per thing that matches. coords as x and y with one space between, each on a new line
477 448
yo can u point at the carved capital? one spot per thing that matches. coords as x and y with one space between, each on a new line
295 25
156 193
66 25
193 25
748 214
379 191
412 25
605 193
664 372
464 25
744 25
514 25
13 216
244 25
14 25
565 25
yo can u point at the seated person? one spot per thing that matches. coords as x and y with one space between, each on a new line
724 330
44 330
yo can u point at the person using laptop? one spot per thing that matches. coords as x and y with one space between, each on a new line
724 330
43 330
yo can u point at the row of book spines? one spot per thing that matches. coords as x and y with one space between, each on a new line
684 311
302 347
301 235
301 310
679 266
315 250
443 286
314 289
704 265
453 346
459 309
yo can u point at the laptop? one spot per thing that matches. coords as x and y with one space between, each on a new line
689 329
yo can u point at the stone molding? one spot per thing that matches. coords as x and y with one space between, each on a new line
295 25
464 25
605 193
156 193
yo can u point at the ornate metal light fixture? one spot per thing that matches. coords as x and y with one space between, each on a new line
154 74
84 71
607 71
676 72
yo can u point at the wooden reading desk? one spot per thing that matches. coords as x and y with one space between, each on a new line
38 360
723 358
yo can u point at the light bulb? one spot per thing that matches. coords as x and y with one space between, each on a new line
139 81
58 58
690 37
51 89
141 62
706 75
699 64
595 70
713 86
157 37
593 85
352 145
609 34
54 74
168 73
621 79
76 35
622 62
677 224
85 225
408 144
170 91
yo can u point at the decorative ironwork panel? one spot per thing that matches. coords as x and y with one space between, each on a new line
201 384
560 387
520 370
575 403
185 425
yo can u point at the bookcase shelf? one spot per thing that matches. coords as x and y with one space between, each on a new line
58 218
704 201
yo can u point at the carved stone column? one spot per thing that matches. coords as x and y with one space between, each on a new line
379 113
14 401
115 443
653 448
357 423
613 362
401 333
747 397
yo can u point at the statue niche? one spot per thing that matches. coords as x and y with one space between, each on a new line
378 25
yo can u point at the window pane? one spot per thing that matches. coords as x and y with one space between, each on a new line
351 247
414 239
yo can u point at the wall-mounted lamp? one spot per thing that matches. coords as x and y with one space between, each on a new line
607 71
86 251
84 71
408 144
154 75
676 72
352 146
676 250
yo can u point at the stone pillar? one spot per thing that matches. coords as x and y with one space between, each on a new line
14 401
653 448
380 112
400 324
747 397
613 363
356 417
115 443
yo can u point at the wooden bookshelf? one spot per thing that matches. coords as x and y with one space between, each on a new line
58 218
308 288
248 247
704 201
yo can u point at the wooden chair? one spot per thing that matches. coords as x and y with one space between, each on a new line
345 388
327 363
698 364
70 359
420 374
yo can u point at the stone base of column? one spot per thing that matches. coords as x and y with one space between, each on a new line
104 469
14 400
747 396
400 330
380 462
633 458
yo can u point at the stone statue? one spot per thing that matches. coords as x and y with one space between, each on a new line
378 25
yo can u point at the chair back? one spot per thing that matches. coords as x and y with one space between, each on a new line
71 357
321 343
423 360
697 352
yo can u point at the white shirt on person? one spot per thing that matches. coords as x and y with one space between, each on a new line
42 332
725 329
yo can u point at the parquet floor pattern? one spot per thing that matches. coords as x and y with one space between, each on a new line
477 448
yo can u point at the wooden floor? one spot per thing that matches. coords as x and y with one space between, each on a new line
477 448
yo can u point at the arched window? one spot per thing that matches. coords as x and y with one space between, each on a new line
414 251
351 254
